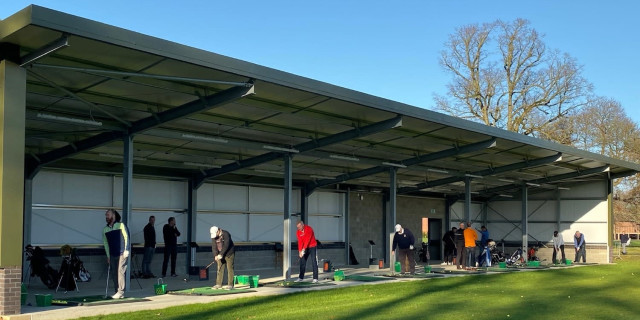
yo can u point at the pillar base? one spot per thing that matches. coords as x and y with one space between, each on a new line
10 280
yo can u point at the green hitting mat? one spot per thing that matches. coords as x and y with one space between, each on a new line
92 301
496 269
207 291
292 284
460 271
366 278
417 275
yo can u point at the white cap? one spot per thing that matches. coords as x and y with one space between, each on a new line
213 231
398 227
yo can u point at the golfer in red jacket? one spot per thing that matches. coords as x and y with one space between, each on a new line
306 248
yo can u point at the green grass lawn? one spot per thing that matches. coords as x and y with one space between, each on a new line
592 292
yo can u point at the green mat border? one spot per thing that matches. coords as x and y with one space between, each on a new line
218 292
417 275
71 303
361 277
497 269
298 285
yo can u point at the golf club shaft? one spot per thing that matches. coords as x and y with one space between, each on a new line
106 289
210 264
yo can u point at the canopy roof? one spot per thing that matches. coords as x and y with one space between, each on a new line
200 115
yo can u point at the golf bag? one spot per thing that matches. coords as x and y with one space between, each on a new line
66 274
515 258
40 266
79 270
423 253
497 256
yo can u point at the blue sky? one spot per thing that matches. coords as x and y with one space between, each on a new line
385 48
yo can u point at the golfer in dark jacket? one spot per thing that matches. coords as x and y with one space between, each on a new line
459 240
449 246
170 233
149 247
223 252
404 240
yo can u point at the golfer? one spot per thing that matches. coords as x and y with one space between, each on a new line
403 240
558 246
117 245
307 248
170 233
580 245
149 247
224 253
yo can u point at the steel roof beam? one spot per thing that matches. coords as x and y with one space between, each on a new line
33 164
483 173
551 179
304 147
408 162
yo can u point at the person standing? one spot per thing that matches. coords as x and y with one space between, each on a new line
485 255
558 246
459 240
149 247
470 238
624 241
170 233
224 254
117 245
307 247
449 246
403 240
580 245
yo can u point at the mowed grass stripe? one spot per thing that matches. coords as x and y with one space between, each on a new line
592 292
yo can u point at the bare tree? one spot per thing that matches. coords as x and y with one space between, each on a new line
504 76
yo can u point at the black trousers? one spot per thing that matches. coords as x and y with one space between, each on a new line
554 256
309 253
460 257
449 252
173 252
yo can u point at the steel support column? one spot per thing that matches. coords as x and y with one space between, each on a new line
611 226
393 192
525 221
27 218
192 211
558 218
127 186
304 206
467 200
346 227
286 253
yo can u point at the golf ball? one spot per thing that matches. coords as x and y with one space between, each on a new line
85 300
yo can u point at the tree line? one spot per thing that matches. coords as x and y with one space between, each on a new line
504 75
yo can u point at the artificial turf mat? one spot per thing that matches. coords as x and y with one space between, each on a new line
496 269
365 278
207 291
92 301
292 284
417 275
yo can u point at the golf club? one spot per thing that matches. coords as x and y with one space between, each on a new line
210 264
107 287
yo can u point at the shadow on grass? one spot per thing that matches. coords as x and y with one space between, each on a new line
606 291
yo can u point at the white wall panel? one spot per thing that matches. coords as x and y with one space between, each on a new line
267 227
593 232
586 190
230 197
235 223
47 188
266 199
157 194
542 210
329 203
584 210
500 210
205 197
457 213
64 226
327 228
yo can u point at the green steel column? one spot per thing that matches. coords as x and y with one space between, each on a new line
611 226
12 121
286 254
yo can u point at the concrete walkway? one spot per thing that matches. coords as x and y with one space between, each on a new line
97 287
